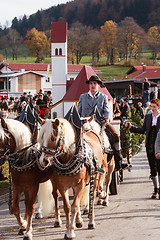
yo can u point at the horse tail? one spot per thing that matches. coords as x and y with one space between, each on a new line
45 199
85 198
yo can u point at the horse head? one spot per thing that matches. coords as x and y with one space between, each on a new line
7 141
14 136
56 138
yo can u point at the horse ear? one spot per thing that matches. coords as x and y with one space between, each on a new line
41 120
55 123
3 123
91 118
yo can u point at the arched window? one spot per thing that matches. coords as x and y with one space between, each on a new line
56 51
60 51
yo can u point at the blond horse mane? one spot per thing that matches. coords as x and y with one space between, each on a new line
64 128
20 132
91 124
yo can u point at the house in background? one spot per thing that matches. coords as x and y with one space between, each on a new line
132 84
25 77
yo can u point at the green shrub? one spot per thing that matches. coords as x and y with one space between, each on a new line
131 141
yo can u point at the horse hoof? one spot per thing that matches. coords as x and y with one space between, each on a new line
79 225
27 238
21 231
57 225
91 226
105 204
37 216
67 238
99 202
85 212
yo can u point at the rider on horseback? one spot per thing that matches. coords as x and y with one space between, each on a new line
86 105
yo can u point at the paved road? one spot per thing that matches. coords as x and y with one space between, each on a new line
131 215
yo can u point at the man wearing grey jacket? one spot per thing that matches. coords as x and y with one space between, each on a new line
86 106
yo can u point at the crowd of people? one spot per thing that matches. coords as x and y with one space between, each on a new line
40 102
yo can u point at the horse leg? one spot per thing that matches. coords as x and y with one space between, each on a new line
30 198
100 192
111 167
16 210
55 192
75 210
85 200
66 207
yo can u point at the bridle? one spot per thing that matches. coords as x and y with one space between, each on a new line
6 149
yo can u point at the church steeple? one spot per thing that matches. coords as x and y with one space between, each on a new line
59 60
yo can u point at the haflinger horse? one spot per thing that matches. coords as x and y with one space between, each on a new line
30 118
16 146
75 156
109 165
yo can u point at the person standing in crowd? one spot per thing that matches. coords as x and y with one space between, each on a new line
151 127
148 108
139 110
24 98
42 103
116 110
125 108
146 93
86 106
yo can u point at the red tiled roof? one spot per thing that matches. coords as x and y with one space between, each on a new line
58 32
43 67
28 66
78 68
79 85
150 72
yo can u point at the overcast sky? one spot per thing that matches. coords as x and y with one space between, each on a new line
10 9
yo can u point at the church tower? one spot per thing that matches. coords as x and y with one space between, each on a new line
59 60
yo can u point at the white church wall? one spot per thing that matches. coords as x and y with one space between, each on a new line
59 71
72 76
57 111
67 106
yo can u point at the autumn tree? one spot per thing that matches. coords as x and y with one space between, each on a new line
36 43
108 36
78 40
154 41
14 39
94 45
130 37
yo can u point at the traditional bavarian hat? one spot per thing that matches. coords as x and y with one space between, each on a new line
94 78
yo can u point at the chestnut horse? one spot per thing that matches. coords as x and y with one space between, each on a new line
26 175
75 159
109 165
